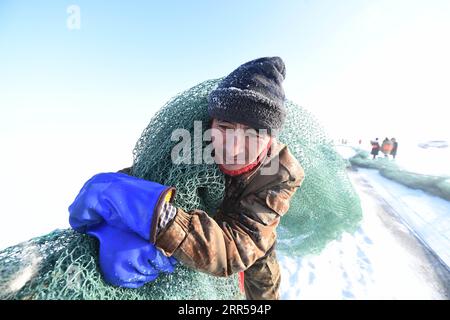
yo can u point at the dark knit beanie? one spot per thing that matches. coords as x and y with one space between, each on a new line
252 95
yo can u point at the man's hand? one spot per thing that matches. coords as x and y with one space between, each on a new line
122 201
126 260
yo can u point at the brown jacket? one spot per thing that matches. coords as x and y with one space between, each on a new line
242 234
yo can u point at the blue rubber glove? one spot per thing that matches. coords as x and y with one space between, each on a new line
126 260
123 201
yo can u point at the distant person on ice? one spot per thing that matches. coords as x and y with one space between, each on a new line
375 148
394 147
133 217
386 147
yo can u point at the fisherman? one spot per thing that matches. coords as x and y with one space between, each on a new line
394 148
246 111
375 148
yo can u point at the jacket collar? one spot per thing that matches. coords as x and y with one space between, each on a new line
272 152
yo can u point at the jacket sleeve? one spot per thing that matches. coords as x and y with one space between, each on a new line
230 242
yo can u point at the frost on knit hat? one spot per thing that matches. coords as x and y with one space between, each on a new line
252 95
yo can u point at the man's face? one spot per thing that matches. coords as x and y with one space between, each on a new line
237 145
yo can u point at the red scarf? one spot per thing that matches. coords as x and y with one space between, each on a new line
248 167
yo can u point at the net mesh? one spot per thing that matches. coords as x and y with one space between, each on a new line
63 264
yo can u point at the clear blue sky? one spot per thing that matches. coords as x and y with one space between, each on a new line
147 51
342 57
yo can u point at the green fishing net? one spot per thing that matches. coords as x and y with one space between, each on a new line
63 264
